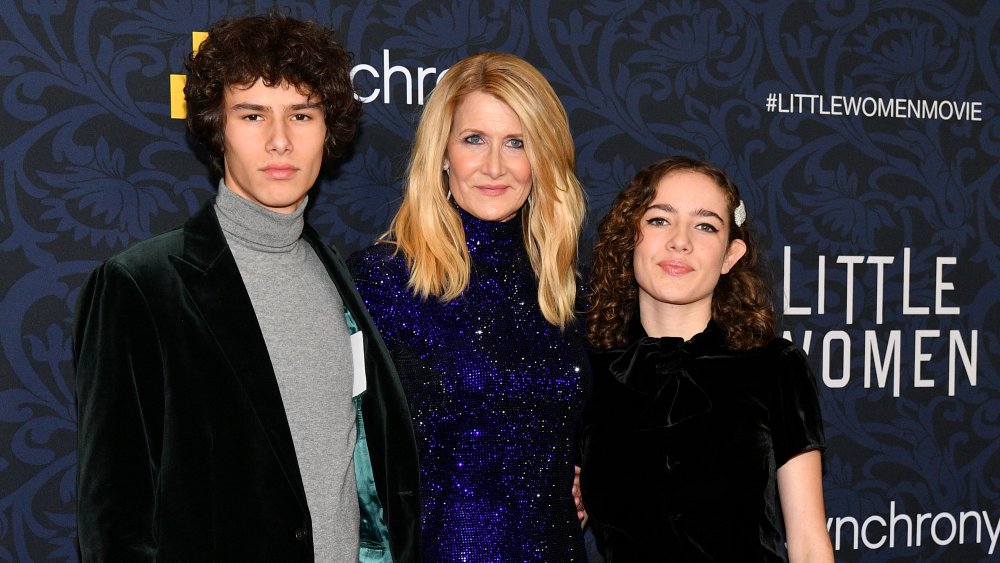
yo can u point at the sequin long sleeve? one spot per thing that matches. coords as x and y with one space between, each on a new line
495 392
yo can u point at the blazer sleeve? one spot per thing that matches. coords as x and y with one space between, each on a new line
119 401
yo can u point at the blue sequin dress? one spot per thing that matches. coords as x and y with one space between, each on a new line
495 392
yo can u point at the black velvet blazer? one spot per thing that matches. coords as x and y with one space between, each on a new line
681 442
184 450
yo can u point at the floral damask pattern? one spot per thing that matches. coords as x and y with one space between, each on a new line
91 162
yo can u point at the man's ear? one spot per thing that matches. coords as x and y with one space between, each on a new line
737 248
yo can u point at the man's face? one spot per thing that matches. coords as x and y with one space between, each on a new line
273 144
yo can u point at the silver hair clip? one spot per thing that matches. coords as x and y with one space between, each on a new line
740 214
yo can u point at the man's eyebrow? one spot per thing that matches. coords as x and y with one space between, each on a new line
308 105
247 106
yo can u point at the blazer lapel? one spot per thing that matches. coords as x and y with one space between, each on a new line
211 276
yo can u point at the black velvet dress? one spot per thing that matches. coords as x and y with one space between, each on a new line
681 443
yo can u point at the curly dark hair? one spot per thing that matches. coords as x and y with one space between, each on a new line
741 302
275 48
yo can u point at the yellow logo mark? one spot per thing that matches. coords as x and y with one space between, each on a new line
178 106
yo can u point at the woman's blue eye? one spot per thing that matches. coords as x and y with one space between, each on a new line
474 139
516 143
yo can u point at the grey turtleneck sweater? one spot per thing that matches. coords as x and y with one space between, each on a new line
301 316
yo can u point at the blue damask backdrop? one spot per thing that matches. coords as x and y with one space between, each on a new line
882 222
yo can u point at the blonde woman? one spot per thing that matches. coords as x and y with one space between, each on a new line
474 290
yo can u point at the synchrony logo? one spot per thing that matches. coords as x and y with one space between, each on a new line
898 529
372 83
178 107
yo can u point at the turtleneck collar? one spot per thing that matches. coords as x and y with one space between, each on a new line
491 239
255 225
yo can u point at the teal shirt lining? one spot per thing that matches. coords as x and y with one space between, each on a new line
373 533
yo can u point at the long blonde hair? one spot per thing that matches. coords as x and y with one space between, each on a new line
428 230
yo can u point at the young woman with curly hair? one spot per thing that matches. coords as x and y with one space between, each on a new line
702 437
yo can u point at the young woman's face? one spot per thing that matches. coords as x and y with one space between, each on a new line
489 174
683 244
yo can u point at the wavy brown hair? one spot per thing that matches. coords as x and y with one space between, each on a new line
276 49
741 302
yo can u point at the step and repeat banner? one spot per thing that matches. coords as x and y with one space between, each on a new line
864 136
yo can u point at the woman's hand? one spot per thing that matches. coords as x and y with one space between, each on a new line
581 511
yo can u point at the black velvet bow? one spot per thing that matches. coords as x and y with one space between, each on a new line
655 367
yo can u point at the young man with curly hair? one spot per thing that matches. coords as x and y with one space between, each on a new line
236 402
